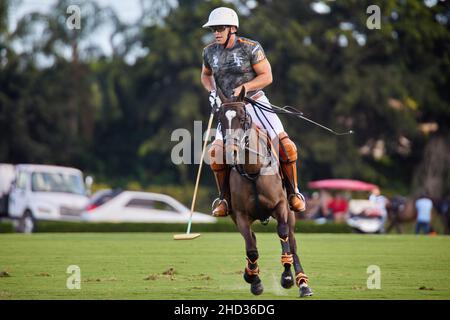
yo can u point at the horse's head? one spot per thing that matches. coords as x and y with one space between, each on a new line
235 121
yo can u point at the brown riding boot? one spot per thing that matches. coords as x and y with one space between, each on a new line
220 206
288 160
296 200
221 171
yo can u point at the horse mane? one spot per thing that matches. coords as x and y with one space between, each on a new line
224 99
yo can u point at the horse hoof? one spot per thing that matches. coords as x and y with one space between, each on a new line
257 288
305 291
248 278
287 280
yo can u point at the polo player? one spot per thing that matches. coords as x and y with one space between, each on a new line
230 63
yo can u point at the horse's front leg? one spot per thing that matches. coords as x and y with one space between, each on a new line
301 278
251 272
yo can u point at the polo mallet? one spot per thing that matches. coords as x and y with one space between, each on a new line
188 235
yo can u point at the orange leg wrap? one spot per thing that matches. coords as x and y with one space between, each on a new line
252 272
301 278
287 258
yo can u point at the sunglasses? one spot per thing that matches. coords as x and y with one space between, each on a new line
218 28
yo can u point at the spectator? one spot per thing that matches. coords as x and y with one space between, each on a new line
339 207
324 198
381 203
319 207
424 205
443 208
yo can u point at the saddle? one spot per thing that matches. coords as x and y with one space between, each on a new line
270 147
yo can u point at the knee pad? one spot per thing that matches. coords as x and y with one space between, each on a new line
217 156
288 149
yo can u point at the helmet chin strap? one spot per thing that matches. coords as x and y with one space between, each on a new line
228 38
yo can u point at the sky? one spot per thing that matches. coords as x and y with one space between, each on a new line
128 12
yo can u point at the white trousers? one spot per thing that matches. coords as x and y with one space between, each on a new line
263 119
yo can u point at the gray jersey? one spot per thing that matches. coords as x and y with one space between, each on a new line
234 66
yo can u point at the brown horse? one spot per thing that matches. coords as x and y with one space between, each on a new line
403 210
257 193
400 210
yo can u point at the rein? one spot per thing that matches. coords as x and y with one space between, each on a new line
244 143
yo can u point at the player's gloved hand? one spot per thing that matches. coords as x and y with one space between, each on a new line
214 100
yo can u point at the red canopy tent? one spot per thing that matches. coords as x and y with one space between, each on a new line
342 184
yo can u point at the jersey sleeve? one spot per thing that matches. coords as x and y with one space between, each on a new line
205 60
257 54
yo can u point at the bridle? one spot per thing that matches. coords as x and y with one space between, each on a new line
245 124
242 143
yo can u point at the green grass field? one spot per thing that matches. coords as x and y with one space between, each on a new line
132 266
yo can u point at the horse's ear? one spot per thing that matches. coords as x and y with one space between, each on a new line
221 96
241 95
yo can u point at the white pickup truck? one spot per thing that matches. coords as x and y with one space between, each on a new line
43 192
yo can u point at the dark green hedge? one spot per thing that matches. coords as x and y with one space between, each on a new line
224 225
6 226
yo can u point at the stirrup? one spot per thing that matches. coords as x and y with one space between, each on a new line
265 222
217 202
301 197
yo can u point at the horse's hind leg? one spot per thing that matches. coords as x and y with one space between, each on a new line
301 278
287 279
251 272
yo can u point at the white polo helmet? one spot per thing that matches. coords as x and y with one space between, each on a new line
222 17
